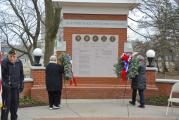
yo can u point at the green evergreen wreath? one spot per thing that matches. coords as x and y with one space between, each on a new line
65 60
132 69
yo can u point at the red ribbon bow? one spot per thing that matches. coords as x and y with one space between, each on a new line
73 80
125 59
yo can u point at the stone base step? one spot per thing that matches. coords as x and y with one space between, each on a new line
84 91
92 91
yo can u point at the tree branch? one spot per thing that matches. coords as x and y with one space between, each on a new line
138 33
21 19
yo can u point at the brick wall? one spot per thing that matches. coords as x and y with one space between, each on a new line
98 92
38 90
151 77
97 89
164 88
93 87
27 88
38 76
94 16
122 32
68 31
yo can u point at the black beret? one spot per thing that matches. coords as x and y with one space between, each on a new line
12 52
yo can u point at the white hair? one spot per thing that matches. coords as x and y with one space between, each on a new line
141 58
53 58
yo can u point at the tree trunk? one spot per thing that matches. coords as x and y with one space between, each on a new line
49 48
164 65
52 21
30 58
177 63
157 64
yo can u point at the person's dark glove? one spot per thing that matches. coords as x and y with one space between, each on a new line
5 86
21 87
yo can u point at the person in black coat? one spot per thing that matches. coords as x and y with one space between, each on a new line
54 82
139 83
12 85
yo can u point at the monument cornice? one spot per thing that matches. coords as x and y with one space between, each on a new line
131 4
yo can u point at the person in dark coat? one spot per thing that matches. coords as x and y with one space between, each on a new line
54 82
139 83
12 85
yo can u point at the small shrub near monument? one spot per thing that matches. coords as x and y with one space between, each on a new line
29 102
158 100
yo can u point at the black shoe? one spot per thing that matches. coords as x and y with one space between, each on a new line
56 107
51 107
132 103
141 106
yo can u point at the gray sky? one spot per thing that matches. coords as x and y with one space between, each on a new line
131 34
177 1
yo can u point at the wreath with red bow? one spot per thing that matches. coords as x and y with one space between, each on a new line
127 67
65 60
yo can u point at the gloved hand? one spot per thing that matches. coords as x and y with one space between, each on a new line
5 86
21 87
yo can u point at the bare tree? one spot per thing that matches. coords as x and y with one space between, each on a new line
159 16
21 21
20 25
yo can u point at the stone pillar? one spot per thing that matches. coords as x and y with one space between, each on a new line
151 75
152 89
38 75
38 91
28 83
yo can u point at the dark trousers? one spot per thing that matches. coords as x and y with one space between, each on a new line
10 98
141 95
54 98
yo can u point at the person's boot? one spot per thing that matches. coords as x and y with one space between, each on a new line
132 103
141 106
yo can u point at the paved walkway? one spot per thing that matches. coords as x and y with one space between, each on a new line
106 118
98 109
